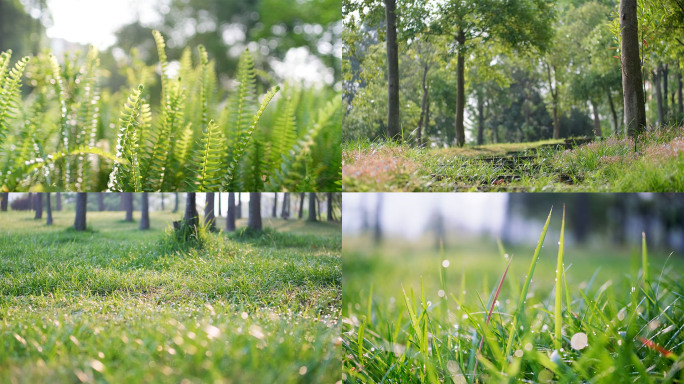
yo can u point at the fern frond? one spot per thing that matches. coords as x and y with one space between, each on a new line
204 65
181 154
88 116
242 104
126 176
284 134
9 94
241 144
164 65
209 161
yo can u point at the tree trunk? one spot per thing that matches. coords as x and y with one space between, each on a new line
632 88
480 118
460 89
144 211
4 200
679 93
663 74
238 208
285 214
597 119
81 206
38 205
616 123
230 216
377 228
554 99
162 201
209 217
48 206
392 71
275 205
218 211
301 205
312 207
191 217
100 202
423 107
175 203
659 96
32 201
254 220
58 202
330 207
127 204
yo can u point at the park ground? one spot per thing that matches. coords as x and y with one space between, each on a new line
413 313
654 164
116 304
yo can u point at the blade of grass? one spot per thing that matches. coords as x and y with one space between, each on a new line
523 295
644 257
559 287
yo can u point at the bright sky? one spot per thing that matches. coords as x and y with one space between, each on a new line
95 21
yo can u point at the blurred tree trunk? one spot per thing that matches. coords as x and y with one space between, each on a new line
312 207
285 214
191 217
423 106
330 206
664 71
460 88
175 204
209 217
238 207
679 93
162 201
480 118
81 206
100 202
377 228
48 205
218 212
301 205
254 220
632 87
127 205
4 197
581 217
58 202
659 97
275 205
32 202
597 119
144 211
38 205
393 132
230 216
616 123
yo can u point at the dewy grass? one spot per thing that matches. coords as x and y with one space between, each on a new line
609 333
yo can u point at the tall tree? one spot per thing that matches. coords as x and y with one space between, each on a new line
38 205
330 206
392 70
285 213
58 202
127 205
191 217
301 205
209 217
144 211
162 201
218 211
632 91
377 227
230 216
254 220
81 207
175 202
238 207
312 207
4 198
49 209
275 205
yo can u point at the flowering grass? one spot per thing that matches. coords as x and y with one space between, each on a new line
655 164
414 316
113 305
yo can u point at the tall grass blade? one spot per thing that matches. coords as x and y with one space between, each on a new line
559 287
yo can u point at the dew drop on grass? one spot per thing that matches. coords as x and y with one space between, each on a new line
579 341
528 347
97 365
445 263
440 293
244 315
464 317
518 353
302 370
555 356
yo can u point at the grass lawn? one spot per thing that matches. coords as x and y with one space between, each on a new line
115 304
548 166
413 313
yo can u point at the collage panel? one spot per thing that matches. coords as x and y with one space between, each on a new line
538 288
252 295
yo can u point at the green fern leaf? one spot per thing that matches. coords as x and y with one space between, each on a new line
125 177
209 160
9 93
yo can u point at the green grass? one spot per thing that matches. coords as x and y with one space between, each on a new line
415 314
606 165
111 305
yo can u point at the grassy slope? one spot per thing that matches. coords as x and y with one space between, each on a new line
608 165
391 343
113 305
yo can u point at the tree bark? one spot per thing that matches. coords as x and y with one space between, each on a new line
127 204
659 96
209 217
616 122
679 93
275 205
423 107
377 228
393 132
254 220
480 118
230 216
162 201
285 214
58 202
312 207
218 211
238 208
38 205
191 217
4 200
175 203
663 74
330 207
301 205
144 211
597 119
632 88
460 89
81 207
554 99
49 209
100 202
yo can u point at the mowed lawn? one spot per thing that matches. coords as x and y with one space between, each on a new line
115 304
